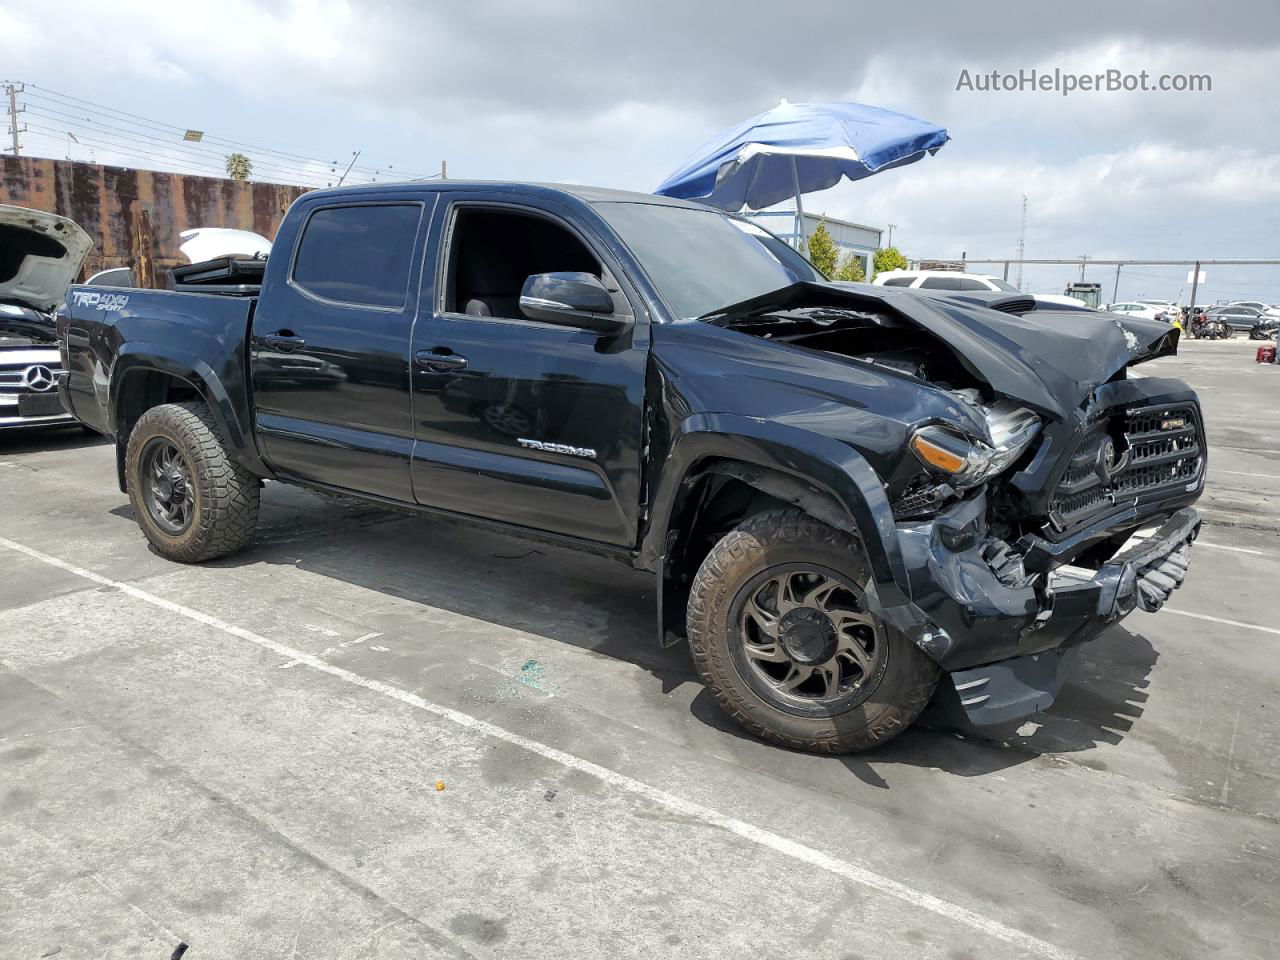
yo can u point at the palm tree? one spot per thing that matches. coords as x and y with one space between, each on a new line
239 166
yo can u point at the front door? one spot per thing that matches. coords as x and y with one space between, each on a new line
330 347
514 419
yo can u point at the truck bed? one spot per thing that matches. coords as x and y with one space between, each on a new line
108 331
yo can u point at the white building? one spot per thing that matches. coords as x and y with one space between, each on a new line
856 238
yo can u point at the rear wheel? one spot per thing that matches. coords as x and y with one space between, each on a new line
783 630
190 498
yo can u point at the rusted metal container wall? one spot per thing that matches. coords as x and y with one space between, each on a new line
106 202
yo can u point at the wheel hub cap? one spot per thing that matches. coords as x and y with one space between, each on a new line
166 486
807 636
807 640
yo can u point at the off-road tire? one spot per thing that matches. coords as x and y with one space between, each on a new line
790 536
226 495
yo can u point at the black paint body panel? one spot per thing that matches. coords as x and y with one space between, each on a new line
617 429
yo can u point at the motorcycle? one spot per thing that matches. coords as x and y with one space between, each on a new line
1215 328
1203 327
1264 329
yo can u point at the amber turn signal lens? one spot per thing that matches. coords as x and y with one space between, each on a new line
937 456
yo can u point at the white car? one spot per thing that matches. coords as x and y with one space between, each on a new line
954 280
1143 311
942 280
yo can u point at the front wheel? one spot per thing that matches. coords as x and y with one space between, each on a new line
783 630
190 498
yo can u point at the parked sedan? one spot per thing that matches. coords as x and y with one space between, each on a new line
1143 311
1237 316
1270 309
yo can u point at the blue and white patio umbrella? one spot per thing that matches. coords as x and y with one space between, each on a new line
799 148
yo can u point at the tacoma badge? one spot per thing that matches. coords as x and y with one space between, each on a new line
557 448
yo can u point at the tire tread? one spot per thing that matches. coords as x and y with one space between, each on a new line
734 552
228 495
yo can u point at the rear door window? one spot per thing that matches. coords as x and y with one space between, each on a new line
899 282
358 255
940 283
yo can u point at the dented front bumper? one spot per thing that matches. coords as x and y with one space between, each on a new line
1001 632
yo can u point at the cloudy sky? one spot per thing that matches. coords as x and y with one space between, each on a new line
619 94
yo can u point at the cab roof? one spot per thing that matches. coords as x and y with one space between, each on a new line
586 194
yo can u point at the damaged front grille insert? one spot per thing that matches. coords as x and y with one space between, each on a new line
1125 456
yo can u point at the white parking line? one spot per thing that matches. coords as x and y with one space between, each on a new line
1219 546
1223 620
1245 473
790 848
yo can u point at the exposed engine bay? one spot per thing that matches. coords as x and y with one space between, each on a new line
879 338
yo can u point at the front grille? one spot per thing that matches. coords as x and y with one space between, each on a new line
13 377
1156 451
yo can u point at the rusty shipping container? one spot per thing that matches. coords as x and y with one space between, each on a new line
108 203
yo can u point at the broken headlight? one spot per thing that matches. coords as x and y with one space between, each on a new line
965 461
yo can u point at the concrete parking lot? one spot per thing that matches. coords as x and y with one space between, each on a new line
246 756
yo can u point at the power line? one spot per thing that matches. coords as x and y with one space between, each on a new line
167 128
205 166
49 94
147 140
201 166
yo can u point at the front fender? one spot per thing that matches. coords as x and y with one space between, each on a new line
834 468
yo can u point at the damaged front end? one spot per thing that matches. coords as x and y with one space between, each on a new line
1058 503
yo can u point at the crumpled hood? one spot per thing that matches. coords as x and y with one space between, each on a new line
40 256
1050 360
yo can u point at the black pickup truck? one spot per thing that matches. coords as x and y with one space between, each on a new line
854 499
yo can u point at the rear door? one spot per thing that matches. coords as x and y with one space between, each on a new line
330 345
517 420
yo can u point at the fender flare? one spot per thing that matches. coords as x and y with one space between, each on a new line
790 462
143 357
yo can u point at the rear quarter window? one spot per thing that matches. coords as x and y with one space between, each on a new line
360 255
941 283
899 282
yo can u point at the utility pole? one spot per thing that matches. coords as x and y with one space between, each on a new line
891 226
355 155
444 170
1022 243
1115 290
1083 258
13 90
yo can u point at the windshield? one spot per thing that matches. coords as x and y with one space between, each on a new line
1004 285
702 260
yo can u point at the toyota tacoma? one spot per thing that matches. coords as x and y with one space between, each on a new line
854 499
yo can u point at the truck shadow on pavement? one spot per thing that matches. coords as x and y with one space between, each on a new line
16 443
1102 699
608 608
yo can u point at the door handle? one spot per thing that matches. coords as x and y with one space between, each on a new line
284 342
436 359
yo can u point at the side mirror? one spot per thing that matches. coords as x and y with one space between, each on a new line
571 300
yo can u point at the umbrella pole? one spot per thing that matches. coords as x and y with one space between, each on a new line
801 239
